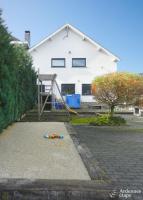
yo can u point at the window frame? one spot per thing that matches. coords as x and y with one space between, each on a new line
67 84
58 59
82 89
78 59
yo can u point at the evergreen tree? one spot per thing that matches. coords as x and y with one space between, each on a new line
17 79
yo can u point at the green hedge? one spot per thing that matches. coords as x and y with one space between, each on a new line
17 79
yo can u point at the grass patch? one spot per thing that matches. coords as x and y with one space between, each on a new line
102 120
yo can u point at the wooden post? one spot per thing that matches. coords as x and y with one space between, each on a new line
38 96
52 94
62 97
41 99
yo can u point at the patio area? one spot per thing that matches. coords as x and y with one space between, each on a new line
25 153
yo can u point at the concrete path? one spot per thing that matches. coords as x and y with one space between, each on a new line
24 153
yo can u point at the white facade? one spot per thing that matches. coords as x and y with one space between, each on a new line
69 43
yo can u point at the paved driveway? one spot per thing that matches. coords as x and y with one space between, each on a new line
24 153
119 152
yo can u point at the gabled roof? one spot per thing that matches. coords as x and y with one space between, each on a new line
85 37
13 38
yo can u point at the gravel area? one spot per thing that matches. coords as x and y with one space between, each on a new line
24 153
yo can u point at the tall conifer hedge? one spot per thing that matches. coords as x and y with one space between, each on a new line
17 79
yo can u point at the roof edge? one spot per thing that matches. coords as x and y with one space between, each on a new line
80 33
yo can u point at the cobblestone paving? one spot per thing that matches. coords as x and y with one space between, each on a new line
119 152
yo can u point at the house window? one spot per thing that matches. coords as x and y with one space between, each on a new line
86 89
58 62
78 62
67 89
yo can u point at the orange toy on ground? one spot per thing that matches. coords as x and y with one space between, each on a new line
53 136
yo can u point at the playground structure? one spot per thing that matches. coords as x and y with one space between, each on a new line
49 93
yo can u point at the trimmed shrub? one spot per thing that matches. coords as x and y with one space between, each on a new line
102 120
17 79
107 120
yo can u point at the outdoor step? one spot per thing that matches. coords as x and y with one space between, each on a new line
47 114
55 189
45 117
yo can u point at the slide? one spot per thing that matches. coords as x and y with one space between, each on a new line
71 110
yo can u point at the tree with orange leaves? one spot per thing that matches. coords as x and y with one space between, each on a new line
117 88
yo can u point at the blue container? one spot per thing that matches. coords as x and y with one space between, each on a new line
73 100
58 105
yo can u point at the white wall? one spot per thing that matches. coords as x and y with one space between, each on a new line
98 62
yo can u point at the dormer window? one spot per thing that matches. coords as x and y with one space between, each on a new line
58 62
78 62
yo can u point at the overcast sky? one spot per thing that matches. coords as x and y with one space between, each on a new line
115 24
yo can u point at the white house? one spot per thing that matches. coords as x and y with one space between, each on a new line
75 58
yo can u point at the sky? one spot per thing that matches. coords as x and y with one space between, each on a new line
115 24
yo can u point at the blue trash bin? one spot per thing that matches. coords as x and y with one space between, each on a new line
73 100
58 105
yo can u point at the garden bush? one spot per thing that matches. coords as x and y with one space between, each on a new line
101 120
108 120
17 79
